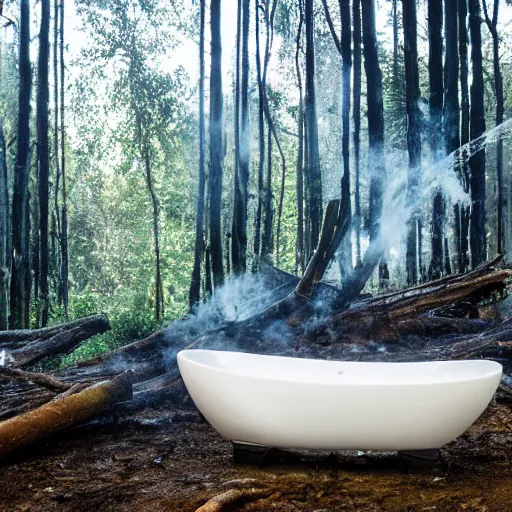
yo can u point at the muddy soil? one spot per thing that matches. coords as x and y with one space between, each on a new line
168 461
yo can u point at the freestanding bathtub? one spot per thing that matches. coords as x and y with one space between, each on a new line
260 401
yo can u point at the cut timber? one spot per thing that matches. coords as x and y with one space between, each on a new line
228 498
62 413
62 341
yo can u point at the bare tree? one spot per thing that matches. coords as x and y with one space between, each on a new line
313 173
477 127
20 220
492 24
216 144
195 285
412 97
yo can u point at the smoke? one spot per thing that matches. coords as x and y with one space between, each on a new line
240 298
399 208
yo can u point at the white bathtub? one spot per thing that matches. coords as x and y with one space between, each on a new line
308 403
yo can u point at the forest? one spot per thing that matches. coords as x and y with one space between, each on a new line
312 178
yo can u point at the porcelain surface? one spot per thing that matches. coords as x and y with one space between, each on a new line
315 404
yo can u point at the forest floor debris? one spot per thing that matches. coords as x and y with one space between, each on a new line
174 462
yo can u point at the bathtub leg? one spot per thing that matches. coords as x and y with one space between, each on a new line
247 453
416 459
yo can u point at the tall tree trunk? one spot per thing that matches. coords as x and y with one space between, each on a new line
20 194
451 114
435 71
235 221
35 251
451 75
216 144
281 195
56 227
4 225
261 138
412 82
242 169
492 24
156 232
43 94
64 279
462 212
195 285
357 124
477 127
300 255
268 220
268 231
375 124
346 56
313 162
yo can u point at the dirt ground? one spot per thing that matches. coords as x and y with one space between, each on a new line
168 461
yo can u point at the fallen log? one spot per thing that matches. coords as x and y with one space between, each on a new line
22 336
29 427
42 379
389 320
62 341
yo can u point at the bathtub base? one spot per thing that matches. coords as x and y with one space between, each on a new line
248 453
417 459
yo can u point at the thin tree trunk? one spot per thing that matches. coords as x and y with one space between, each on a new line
357 124
375 125
435 70
462 212
19 211
261 138
268 231
477 127
268 220
237 200
43 94
4 224
216 144
300 255
313 163
56 229
492 24
35 248
281 195
156 233
195 285
28 274
64 280
413 131
239 228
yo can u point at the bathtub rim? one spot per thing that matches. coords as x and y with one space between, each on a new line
498 370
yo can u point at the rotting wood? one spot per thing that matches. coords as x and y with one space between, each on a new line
40 423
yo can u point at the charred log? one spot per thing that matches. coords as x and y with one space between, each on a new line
61 342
